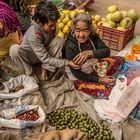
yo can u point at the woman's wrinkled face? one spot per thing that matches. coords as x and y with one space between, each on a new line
81 31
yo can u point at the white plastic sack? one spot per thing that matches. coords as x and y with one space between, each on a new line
7 117
29 84
122 101
118 91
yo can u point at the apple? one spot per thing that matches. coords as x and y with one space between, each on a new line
124 13
108 16
112 9
133 15
116 16
126 22
109 24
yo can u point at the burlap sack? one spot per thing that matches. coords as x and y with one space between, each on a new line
33 98
61 93
66 134
8 136
131 130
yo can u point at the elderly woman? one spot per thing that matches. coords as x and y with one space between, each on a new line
88 51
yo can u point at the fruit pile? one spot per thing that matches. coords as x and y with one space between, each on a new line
131 57
120 20
134 52
135 49
96 21
65 21
30 115
69 118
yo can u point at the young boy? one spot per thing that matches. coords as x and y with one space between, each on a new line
39 43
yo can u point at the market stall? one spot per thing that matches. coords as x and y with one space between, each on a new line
58 110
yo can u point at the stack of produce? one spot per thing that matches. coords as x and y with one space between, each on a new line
134 53
30 115
120 20
135 49
65 22
69 118
96 21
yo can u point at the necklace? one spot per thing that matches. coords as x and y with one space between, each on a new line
90 42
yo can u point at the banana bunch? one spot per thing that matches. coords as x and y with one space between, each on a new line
96 21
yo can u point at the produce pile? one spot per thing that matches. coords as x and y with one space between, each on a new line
96 21
28 116
134 53
120 20
70 118
66 20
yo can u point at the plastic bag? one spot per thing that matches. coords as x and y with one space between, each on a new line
122 101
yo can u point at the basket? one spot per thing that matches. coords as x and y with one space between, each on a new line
114 38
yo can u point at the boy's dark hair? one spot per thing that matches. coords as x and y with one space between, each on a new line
46 11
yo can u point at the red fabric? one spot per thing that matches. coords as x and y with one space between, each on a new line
100 90
39 33
115 64
93 89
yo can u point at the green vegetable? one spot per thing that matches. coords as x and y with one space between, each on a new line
69 118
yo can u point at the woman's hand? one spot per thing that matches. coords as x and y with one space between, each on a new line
73 65
107 80
82 57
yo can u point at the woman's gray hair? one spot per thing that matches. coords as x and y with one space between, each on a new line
83 17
